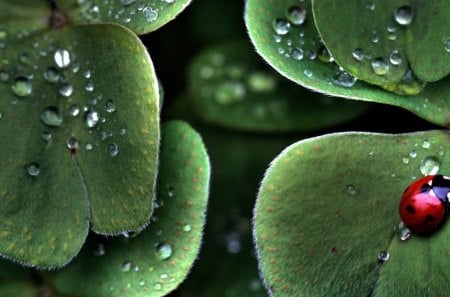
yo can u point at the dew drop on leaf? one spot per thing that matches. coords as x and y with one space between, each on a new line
404 15
110 106
429 166
51 116
113 149
395 59
150 14
296 15
187 228
46 136
4 76
51 75
405 233
74 110
22 86
89 86
127 2
426 144
66 90
343 79
72 144
379 66
297 53
383 256
126 266
62 58
33 169
91 118
163 251
281 26
350 189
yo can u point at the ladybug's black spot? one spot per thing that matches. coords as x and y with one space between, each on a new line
410 209
429 218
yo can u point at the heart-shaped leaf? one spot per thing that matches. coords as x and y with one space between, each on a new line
81 132
159 258
141 16
400 34
328 206
296 52
230 87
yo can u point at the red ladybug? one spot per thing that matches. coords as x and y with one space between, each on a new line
425 204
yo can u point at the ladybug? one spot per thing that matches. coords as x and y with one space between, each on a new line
425 204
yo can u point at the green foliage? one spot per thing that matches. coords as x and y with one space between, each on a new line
230 87
86 177
155 260
68 166
140 16
339 26
329 205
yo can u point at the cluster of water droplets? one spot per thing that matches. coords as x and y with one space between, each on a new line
52 79
123 11
226 81
294 43
426 158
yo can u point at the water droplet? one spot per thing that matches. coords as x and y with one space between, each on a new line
158 286
405 160
122 131
89 146
383 256
110 106
126 266
187 228
91 118
170 191
405 233
46 136
343 79
297 53
22 86
395 59
87 74
51 116
413 154
311 55
380 66
66 90
51 75
358 54
429 166
350 189
142 282
296 15
113 149
89 86
281 26
370 6
74 110
150 14
62 58
230 92
4 76
426 144
404 15
163 251
100 250
308 73
72 144
371 153
261 82
446 40
33 169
